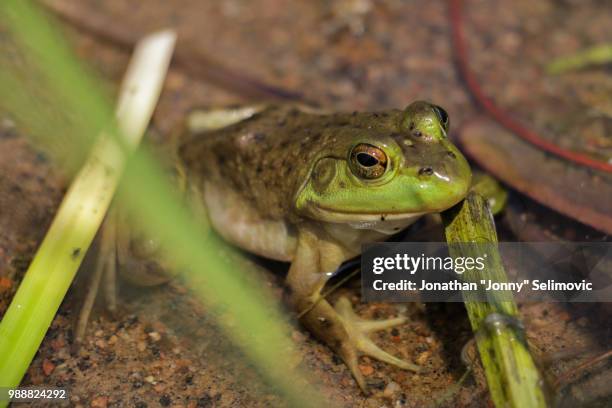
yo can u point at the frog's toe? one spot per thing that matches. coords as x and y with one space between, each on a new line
358 330
104 270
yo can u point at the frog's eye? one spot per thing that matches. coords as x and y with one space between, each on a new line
442 116
367 161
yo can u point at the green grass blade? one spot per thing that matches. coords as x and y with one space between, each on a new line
596 55
78 218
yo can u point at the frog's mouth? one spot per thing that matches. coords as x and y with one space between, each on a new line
363 218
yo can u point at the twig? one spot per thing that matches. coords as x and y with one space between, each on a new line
567 376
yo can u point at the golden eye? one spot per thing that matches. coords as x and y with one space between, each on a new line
367 161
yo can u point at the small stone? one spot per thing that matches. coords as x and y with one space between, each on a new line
297 336
112 340
150 379
99 333
47 367
100 344
155 336
422 358
181 290
141 346
8 123
564 316
99 402
366 369
5 283
58 343
165 400
391 389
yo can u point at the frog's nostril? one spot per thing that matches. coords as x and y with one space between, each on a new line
451 155
425 171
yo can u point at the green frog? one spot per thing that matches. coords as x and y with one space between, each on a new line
297 185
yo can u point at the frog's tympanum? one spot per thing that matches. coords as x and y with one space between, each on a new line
308 188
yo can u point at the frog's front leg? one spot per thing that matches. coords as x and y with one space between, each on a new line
339 327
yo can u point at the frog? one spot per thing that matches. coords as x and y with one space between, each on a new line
310 188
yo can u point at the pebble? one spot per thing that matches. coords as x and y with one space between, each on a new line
297 336
99 402
47 367
422 358
5 283
366 369
391 389
583 321
155 336
58 343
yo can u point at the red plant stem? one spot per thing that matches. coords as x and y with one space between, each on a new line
497 113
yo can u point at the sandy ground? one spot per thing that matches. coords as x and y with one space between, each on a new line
162 348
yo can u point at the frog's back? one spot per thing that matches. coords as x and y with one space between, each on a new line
267 157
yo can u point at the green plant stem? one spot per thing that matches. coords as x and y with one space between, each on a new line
512 376
80 214
596 55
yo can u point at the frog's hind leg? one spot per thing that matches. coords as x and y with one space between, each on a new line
338 326
205 120
123 248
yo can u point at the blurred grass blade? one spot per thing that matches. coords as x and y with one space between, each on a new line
80 214
74 107
44 87
513 379
596 55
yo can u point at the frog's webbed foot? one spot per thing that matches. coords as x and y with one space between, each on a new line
105 272
339 327
358 330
